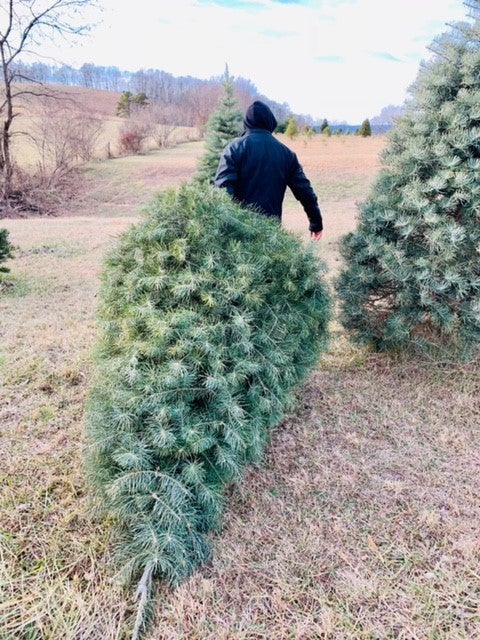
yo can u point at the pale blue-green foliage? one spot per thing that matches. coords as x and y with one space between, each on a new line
210 317
224 124
411 276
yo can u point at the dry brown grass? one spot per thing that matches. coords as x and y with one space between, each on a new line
95 102
362 522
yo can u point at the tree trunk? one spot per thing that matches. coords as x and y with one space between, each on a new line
6 168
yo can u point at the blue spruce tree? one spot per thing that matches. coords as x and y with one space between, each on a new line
225 124
411 275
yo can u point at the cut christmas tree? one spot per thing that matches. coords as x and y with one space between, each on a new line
210 317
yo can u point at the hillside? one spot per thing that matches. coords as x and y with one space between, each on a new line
96 102
49 125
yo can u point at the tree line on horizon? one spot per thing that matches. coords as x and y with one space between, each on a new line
194 98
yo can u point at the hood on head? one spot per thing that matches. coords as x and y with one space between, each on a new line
259 116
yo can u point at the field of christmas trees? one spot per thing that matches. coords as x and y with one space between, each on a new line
256 473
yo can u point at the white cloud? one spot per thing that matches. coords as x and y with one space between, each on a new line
340 59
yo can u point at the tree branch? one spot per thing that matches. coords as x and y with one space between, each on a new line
142 593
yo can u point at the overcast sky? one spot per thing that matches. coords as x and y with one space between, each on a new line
339 59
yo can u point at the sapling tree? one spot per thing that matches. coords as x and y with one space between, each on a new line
129 102
365 129
292 129
411 275
224 124
6 250
210 317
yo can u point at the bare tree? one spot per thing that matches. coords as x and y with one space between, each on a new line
164 119
64 137
24 24
200 102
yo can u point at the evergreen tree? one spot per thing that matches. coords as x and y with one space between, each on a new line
308 131
211 316
6 249
365 129
140 99
324 125
225 124
411 275
127 100
292 128
124 103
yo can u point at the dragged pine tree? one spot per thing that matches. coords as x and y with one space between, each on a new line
210 317
224 124
411 274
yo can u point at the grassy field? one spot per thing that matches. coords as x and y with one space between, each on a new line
362 522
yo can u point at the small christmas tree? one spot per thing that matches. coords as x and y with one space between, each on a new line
324 125
365 129
292 129
411 275
6 250
211 315
124 104
225 124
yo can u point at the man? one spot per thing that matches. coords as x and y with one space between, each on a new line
256 169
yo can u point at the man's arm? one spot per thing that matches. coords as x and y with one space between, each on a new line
226 176
304 193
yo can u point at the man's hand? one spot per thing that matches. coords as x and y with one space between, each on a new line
315 235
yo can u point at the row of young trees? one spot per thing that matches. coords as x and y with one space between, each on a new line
291 128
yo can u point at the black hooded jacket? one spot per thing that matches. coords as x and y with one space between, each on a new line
256 169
